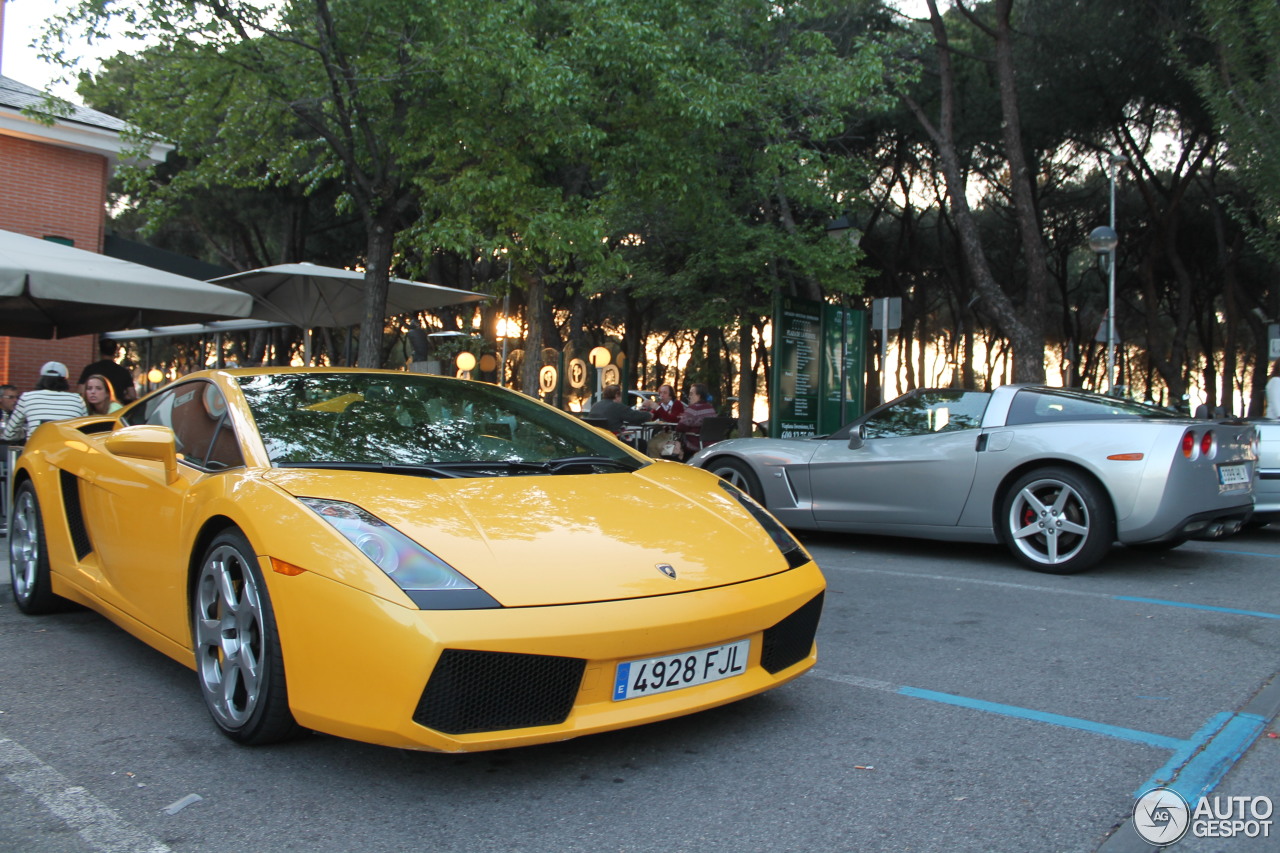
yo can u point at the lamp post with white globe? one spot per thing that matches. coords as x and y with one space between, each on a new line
1104 240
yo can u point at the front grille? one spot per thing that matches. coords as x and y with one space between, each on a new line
75 517
473 691
791 640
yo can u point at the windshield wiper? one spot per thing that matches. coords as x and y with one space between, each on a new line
471 468
555 466
380 467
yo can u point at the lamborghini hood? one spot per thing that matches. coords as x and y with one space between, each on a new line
565 539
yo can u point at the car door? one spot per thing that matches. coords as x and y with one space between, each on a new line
914 463
135 515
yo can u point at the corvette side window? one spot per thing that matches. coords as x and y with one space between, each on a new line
928 412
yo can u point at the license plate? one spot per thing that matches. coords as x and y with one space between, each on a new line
1230 476
675 672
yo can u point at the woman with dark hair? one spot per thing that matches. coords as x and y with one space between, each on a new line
51 401
698 410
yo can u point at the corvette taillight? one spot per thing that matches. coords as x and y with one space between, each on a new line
1189 444
1208 445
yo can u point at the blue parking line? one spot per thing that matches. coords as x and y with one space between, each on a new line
1199 765
1194 769
1232 610
1244 553
1132 735
1196 766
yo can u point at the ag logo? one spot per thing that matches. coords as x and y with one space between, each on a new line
667 569
1161 816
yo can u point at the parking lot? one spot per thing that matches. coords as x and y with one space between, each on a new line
959 703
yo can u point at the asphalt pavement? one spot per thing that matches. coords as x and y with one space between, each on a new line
959 704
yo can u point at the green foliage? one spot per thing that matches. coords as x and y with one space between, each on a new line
1241 86
551 128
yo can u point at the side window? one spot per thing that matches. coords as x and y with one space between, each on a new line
929 412
197 414
158 411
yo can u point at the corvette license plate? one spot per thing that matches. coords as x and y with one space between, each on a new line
1232 476
674 672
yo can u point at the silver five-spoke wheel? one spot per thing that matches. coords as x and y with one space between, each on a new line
738 473
1057 521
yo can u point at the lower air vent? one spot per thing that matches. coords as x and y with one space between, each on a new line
75 518
791 640
472 691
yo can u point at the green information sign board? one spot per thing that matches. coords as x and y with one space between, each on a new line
819 358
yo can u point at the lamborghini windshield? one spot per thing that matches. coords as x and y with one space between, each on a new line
412 423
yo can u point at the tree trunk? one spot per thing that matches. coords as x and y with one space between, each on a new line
1027 337
537 333
1028 352
746 374
377 279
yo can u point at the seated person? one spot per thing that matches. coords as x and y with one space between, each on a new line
666 408
690 423
616 413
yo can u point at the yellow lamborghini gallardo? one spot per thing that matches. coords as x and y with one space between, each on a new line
409 560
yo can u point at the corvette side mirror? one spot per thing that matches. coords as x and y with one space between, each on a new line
147 441
855 438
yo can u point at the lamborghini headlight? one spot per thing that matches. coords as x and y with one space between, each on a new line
781 537
431 582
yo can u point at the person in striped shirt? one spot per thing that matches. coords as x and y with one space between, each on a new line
50 401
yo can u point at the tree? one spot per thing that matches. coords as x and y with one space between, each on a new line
1241 86
366 94
540 130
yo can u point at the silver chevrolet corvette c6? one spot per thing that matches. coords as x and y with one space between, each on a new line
1058 475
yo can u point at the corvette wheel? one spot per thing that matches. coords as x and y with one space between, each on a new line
738 473
28 560
1057 521
238 658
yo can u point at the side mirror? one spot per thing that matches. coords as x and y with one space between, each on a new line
147 441
856 438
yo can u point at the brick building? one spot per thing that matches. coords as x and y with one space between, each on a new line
53 185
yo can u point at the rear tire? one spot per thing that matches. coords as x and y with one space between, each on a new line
237 647
1058 521
28 557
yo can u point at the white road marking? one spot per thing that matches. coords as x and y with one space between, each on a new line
100 827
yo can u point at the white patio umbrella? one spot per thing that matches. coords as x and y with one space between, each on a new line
311 296
51 290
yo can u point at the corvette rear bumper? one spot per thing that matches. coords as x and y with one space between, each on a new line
1213 524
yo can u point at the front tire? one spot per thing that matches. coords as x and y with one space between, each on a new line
237 647
1057 521
28 557
738 473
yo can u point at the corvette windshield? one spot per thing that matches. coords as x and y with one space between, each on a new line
414 424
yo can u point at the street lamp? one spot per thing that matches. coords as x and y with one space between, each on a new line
599 358
1103 240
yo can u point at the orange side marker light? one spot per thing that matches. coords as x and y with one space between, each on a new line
281 567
